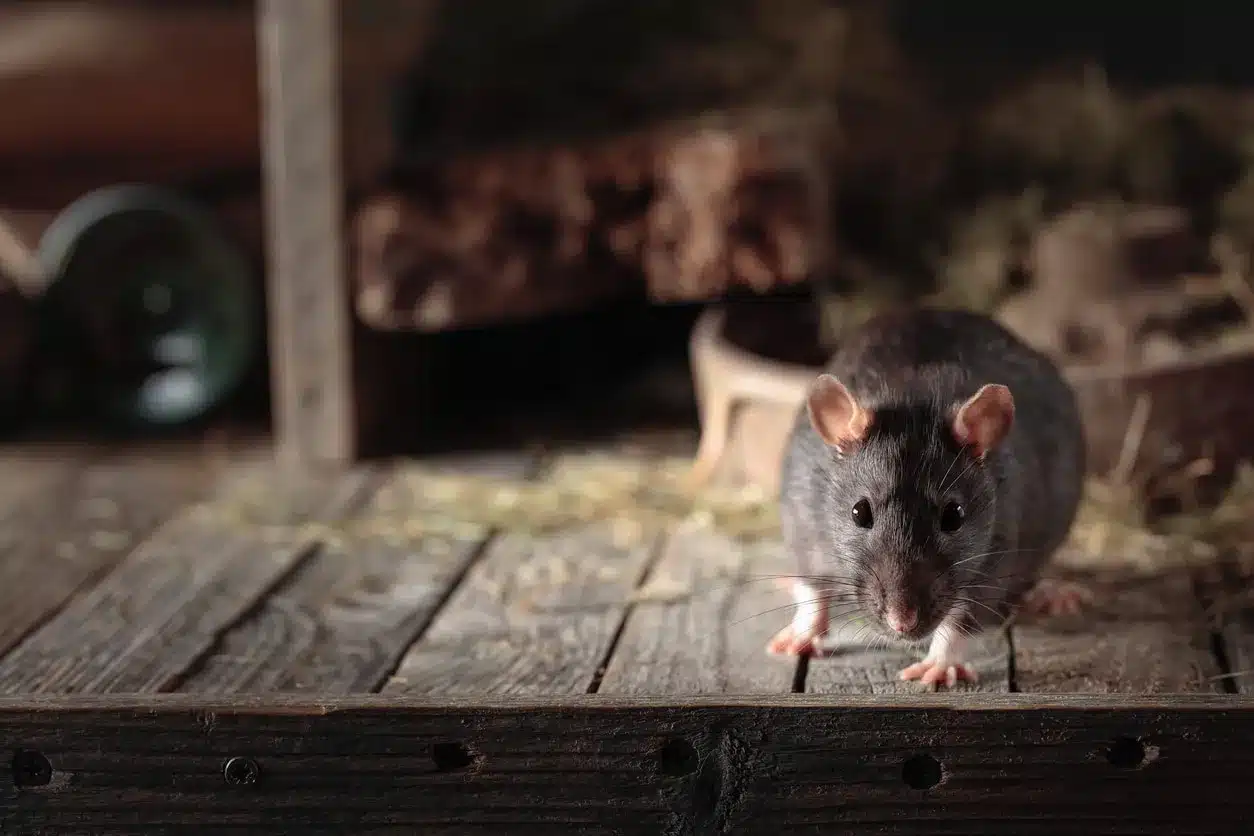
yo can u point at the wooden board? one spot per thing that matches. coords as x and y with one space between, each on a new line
310 323
1140 635
344 619
1228 594
859 669
28 471
77 529
166 604
597 765
701 621
537 615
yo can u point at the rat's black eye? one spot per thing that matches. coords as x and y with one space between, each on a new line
862 514
951 518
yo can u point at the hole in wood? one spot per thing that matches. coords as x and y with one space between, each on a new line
677 758
921 772
1126 753
450 757
31 769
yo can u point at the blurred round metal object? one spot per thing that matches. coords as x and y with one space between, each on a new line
155 310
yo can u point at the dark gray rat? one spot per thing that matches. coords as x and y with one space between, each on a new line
934 468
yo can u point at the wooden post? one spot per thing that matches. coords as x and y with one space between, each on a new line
310 326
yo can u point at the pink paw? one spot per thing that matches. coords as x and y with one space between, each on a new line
790 642
1053 597
931 672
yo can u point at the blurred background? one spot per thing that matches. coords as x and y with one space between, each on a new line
553 195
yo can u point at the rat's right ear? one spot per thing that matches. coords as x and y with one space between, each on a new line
835 415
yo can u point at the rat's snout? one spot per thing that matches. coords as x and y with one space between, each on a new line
901 618
901 596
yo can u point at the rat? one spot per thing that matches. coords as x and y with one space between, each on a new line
935 466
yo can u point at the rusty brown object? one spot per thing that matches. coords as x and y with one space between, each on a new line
167 82
688 213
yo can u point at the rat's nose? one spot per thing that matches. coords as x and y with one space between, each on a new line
901 620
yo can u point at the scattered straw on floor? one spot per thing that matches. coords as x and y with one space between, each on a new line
638 497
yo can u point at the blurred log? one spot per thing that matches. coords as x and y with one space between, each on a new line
86 80
679 214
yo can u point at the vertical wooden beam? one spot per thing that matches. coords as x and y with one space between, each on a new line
310 327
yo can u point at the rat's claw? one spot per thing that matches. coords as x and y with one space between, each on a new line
1053 597
790 642
931 672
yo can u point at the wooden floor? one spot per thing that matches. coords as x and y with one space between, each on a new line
207 575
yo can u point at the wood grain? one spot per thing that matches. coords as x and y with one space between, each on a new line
83 524
701 621
854 669
536 616
310 323
1140 635
1227 589
164 606
857 665
1010 765
344 619
28 471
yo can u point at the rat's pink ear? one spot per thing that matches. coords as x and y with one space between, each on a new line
835 415
984 420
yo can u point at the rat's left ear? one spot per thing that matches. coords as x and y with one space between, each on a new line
985 419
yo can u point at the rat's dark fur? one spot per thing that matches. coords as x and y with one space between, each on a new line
913 370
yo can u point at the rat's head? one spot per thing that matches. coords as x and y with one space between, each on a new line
908 500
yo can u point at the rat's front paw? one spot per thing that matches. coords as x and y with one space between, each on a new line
940 672
793 642
1053 597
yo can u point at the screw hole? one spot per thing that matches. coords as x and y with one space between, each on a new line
921 772
450 757
677 758
31 769
241 772
1126 753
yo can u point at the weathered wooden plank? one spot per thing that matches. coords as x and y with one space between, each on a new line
310 324
536 615
1227 590
966 764
29 470
343 620
858 665
63 539
701 621
168 601
1139 635
862 669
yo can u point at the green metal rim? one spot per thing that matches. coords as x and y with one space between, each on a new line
61 252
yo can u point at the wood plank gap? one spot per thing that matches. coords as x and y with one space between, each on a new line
163 605
534 468
800 674
1012 672
344 618
1224 589
72 536
697 626
1142 632
1208 597
373 477
534 615
650 565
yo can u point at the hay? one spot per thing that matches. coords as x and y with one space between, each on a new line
640 498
